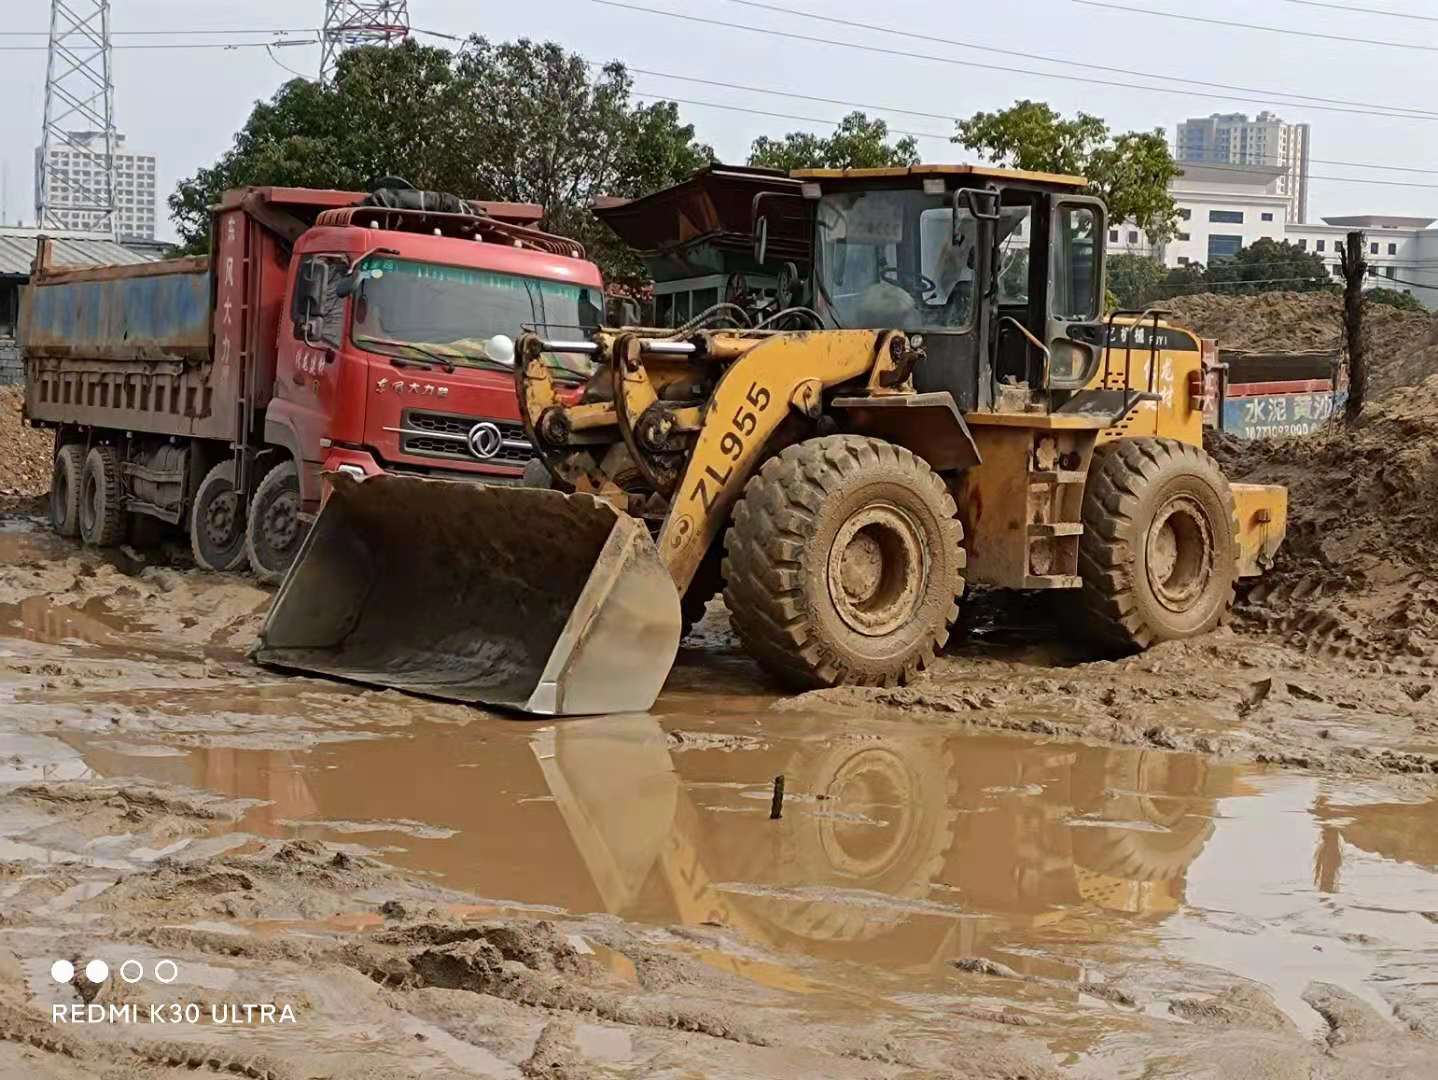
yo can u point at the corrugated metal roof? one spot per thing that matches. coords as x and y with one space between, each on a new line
17 252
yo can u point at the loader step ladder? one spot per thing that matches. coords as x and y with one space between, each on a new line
1050 543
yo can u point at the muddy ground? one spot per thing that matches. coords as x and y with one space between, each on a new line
1219 859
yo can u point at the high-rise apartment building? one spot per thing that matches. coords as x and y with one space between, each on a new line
1233 139
78 175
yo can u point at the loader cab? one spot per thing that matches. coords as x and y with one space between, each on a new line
1000 271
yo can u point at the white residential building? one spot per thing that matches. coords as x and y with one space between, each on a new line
1224 211
80 168
1232 139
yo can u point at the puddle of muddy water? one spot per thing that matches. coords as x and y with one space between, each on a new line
901 847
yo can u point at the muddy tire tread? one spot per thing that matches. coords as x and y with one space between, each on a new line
274 478
110 514
71 458
762 569
223 468
1117 479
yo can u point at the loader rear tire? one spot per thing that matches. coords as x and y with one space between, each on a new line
844 564
1159 552
65 485
217 521
102 502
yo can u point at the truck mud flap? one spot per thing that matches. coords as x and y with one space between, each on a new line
516 597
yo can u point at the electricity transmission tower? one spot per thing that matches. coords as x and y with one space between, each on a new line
360 22
75 172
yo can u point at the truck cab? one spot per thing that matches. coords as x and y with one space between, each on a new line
326 331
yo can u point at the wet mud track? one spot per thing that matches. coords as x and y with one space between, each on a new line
1216 860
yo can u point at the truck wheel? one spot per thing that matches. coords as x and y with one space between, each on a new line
102 510
844 563
217 521
65 485
274 531
1159 552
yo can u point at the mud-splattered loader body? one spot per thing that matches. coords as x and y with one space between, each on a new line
950 405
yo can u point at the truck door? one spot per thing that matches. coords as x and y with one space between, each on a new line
307 375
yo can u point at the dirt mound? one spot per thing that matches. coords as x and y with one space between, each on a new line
24 451
1404 344
1358 574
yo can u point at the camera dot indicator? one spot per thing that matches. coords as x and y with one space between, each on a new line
62 971
97 971
167 971
132 971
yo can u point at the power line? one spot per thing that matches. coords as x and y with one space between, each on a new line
1067 62
722 84
1363 10
226 45
1347 39
166 33
1006 69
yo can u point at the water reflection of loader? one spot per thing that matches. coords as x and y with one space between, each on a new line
898 850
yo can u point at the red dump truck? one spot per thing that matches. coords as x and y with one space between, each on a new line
329 330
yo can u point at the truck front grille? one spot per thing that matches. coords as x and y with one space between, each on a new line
451 437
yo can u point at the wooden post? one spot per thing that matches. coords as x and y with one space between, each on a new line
1354 267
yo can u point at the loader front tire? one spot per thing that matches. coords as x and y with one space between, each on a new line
1159 552
844 564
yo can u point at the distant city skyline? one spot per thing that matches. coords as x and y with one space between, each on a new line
1234 139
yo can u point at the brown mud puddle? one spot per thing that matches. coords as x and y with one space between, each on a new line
902 848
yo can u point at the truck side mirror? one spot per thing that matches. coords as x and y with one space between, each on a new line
761 238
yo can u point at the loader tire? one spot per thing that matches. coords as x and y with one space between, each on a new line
102 500
217 521
844 564
66 483
275 529
1159 552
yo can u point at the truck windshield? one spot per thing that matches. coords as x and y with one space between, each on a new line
888 259
466 315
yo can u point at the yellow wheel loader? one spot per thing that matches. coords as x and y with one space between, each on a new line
952 405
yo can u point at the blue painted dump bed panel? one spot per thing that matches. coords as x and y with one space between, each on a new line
157 312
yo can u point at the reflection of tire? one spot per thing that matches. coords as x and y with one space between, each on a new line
1158 789
1140 855
274 529
844 563
905 789
217 521
1159 549
102 510
65 484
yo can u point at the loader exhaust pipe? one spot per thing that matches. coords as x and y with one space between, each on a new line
517 597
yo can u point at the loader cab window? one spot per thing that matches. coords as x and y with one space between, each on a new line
888 259
1077 280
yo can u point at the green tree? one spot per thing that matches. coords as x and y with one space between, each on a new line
1135 280
1131 171
1184 279
519 121
858 143
1268 266
1394 298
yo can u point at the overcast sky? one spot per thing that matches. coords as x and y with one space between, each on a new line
184 105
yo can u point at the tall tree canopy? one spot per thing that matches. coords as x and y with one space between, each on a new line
1131 171
858 143
519 121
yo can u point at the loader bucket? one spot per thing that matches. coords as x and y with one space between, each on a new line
517 597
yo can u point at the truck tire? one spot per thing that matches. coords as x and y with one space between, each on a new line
66 483
1159 552
844 563
217 521
274 529
102 499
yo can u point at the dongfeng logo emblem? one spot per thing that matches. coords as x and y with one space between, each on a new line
485 440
